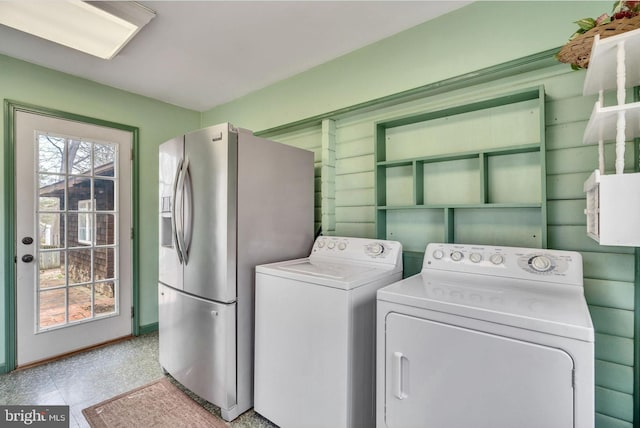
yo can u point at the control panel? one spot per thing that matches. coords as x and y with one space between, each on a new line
358 249
511 262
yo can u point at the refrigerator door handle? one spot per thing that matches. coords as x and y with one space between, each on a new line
180 224
174 204
187 231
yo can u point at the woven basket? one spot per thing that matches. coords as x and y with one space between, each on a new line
578 50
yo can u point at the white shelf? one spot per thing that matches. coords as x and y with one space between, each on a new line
613 201
613 204
602 123
601 74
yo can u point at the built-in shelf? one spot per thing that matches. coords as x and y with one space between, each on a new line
489 187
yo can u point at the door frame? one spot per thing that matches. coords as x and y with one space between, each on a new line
10 109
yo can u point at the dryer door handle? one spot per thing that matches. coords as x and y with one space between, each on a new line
398 362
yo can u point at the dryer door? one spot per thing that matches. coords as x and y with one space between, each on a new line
439 375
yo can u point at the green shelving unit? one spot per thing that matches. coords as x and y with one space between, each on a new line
471 173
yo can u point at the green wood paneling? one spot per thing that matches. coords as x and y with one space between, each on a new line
615 267
616 322
615 404
364 214
355 229
566 186
574 109
574 238
614 376
514 178
355 197
567 212
585 158
614 349
356 180
359 147
565 85
415 228
611 294
354 164
604 421
565 135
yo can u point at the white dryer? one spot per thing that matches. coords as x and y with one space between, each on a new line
486 337
315 333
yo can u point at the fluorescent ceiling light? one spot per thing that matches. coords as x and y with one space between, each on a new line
99 28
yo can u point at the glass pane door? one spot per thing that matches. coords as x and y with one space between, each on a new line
77 232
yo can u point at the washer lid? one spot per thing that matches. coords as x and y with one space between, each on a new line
550 308
329 273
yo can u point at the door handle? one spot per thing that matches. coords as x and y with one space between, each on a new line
187 230
27 258
397 373
174 223
180 226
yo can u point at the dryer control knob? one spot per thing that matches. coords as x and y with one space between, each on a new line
331 245
475 257
376 249
342 246
321 243
438 254
496 259
540 263
456 256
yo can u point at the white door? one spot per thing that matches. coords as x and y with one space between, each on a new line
73 235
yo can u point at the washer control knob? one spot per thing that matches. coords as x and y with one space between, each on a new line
540 263
438 254
456 256
321 243
331 245
376 249
496 259
475 257
342 246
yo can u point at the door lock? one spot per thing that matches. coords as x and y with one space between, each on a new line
27 240
27 258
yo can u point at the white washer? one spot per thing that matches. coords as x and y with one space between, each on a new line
315 333
486 337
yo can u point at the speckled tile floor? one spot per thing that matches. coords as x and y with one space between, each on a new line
94 376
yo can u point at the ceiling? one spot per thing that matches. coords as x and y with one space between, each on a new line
200 54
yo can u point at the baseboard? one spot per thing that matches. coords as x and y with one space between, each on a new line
148 328
3 368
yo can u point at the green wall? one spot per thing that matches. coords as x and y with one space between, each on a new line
30 84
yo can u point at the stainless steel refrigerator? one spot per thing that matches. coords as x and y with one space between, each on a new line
228 201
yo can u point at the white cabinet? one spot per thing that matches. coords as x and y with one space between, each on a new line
613 201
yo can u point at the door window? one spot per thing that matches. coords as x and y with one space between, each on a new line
77 217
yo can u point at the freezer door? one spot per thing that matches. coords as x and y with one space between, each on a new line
197 345
170 159
210 187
